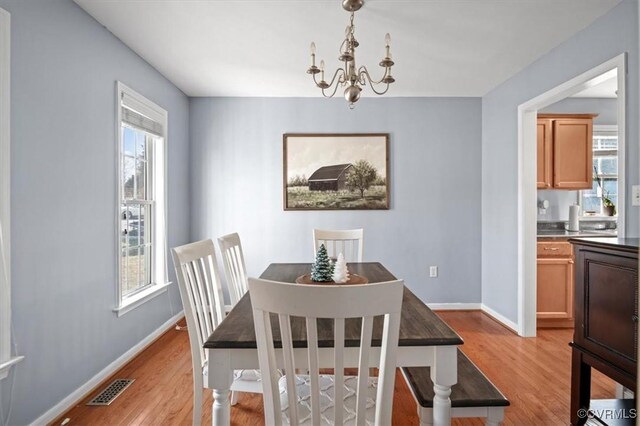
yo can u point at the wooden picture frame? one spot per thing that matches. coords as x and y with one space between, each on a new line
336 171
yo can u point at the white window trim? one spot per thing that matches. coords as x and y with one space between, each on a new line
6 361
157 113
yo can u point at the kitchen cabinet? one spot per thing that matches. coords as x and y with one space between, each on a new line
565 151
545 153
555 284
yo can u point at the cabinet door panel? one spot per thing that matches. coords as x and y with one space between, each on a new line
572 153
555 288
545 153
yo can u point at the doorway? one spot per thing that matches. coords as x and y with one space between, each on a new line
527 176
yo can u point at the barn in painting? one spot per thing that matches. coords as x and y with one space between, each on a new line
330 178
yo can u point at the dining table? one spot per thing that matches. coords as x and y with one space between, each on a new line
424 340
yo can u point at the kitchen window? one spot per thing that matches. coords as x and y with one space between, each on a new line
141 241
605 172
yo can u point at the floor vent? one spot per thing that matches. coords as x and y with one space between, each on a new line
111 392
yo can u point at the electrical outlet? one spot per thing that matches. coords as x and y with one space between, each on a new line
433 271
635 195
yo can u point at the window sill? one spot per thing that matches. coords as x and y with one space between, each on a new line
599 218
134 301
5 367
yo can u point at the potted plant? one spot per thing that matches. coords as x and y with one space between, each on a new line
608 207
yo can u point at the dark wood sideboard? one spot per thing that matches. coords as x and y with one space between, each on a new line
606 316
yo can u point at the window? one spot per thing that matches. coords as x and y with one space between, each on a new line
605 172
141 199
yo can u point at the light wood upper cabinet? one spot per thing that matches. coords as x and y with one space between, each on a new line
565 151
545 153
573 153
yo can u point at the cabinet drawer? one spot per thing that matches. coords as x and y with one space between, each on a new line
554 249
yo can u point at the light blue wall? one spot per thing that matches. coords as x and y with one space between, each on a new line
236 181
64 68
614 33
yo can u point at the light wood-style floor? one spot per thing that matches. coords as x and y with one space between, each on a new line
533 373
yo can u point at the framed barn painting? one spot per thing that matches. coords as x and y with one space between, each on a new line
336 171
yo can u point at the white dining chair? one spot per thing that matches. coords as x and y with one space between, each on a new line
322 399
201 294
349 242
234 267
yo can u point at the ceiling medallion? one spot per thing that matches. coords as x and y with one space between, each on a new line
351 78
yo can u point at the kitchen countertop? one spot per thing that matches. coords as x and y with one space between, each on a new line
630 244
556 234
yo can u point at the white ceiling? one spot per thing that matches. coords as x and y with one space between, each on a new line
261 48
606 89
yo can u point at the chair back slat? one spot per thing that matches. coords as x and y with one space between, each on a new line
363 365
314 371
234 266
289 365
337 303
349 242
338 361
196 295
200 291
204 307
267 356
387 376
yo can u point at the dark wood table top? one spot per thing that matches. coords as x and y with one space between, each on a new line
419 326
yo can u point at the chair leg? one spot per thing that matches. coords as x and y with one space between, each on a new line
197 399
495 416
234 397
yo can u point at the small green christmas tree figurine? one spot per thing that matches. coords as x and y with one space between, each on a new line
322 269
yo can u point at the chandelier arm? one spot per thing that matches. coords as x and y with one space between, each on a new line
335 89
373 83
334 77
364 71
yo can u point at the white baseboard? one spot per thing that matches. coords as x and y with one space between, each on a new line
454 306
68 402
500 318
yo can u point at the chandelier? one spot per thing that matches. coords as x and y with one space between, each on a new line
350 77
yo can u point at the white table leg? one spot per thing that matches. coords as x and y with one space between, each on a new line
444 374
220 379
221 408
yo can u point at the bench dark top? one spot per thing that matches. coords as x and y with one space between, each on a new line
472 390
419 326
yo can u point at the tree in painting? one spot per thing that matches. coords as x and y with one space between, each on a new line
361 176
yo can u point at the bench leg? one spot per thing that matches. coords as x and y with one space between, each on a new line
425 415
495 415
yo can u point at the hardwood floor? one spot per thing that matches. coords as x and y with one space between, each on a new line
533 373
